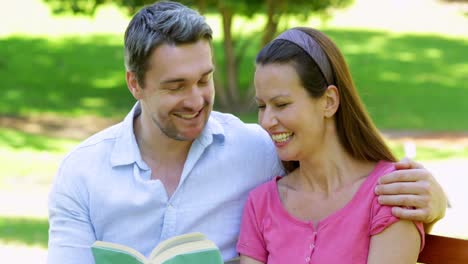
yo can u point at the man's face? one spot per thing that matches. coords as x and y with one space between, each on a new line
178 94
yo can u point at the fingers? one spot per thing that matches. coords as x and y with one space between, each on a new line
407 200
401 187
415 193
411 214
407 163
403 164
404 176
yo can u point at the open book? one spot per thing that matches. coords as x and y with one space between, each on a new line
192 248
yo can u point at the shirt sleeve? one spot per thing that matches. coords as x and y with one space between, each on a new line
70 230
251 242
382 218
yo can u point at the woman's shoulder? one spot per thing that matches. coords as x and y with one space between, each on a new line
382 168
264 191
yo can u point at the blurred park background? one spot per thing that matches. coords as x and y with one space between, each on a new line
62 79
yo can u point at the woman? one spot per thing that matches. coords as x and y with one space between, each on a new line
325 209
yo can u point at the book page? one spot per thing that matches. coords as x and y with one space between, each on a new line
185 248
175 241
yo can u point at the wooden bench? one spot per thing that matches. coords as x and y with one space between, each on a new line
446 250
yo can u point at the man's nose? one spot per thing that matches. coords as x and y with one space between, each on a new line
195 99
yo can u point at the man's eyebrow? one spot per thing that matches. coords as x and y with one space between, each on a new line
176 80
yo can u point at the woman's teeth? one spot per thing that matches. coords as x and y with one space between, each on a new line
281 137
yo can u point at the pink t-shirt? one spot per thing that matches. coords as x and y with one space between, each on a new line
271 235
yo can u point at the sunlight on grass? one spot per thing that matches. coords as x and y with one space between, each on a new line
390 76
39 157
109 81
374 43
67 68
93 102
460 70
13 139
433 53
427 153
12 95
61 72
38 167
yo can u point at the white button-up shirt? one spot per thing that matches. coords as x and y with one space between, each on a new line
103 190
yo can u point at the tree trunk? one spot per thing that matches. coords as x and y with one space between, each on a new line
201 4
229 57
221 100
274 10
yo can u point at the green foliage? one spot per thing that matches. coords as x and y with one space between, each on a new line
89 7
240 7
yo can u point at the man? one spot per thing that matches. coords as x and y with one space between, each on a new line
173 165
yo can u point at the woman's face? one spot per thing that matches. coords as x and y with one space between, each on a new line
294 119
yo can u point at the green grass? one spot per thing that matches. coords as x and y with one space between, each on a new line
70 75
415 82
427 153
26 231
408 82
39 157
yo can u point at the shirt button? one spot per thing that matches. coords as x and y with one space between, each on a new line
311 246
307 259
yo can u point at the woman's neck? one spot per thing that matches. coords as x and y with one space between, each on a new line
330 169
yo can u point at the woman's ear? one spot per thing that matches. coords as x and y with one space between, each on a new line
332 97
132 84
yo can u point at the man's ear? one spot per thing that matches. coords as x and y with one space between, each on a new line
132 84
332 97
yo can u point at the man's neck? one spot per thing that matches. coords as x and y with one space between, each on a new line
157 146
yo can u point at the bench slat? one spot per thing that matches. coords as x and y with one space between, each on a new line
447 250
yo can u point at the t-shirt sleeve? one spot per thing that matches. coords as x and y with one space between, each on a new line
251 242
381 218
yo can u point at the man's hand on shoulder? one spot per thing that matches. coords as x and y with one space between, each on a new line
414 193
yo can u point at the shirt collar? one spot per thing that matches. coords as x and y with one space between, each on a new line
213 131
126 149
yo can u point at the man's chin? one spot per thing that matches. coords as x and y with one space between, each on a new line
189 135
190 132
